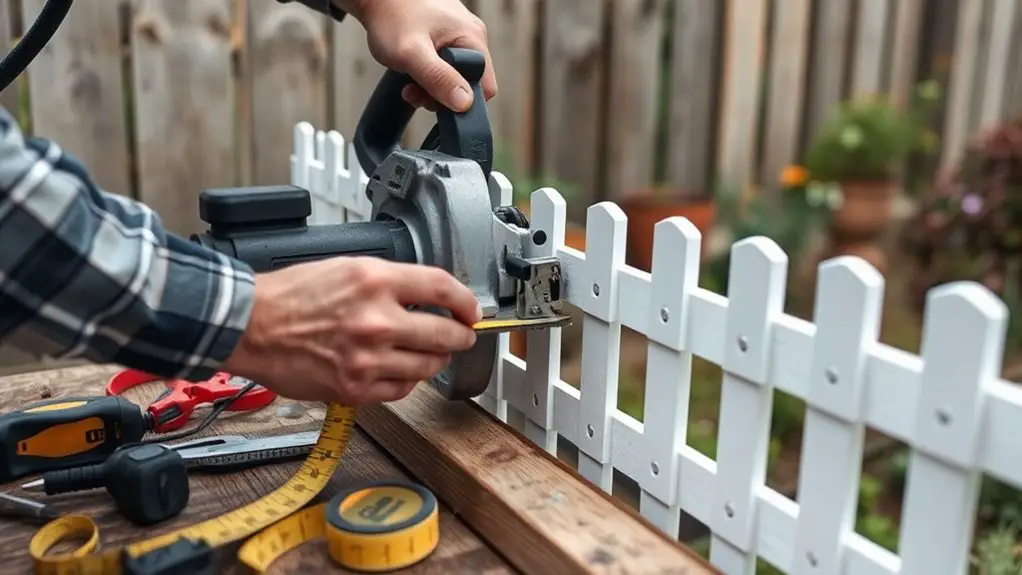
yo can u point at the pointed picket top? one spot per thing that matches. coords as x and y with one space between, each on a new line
675 270
548 212
962 348
757 280
304 148
501 189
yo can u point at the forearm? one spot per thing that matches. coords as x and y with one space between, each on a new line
86 274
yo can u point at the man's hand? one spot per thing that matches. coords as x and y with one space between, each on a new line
406 36
338 330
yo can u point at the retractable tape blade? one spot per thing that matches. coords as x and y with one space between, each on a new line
192 547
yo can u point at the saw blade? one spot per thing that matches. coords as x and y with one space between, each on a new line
500 325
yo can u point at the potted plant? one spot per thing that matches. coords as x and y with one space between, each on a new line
803 210
646 207
969 225
859 152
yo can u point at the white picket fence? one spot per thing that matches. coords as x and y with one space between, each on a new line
950 405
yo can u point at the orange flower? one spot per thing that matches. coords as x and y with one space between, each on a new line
793 177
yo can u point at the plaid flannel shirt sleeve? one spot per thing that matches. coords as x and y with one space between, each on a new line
92 275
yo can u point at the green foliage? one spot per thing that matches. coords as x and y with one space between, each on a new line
871 524
969 225
801 211
997 553
523 184
868 138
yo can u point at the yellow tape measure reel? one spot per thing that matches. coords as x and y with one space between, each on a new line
190 545
371 528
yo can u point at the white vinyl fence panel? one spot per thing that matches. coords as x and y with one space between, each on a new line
949 406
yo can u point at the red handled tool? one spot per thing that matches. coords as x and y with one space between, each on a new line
172 409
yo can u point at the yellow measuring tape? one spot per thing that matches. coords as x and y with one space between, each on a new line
373 528
231 527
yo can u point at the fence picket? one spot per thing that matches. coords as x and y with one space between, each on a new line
877 385
288 60
950 416
998 63
675 273
492 400
848 309
601 340
76 89
786 87
543 347
181 56
755 299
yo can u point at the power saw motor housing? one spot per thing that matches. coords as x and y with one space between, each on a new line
431 206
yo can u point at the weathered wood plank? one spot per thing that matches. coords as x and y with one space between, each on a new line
511 29
963 75
637 32
997 70
533 509
183 101
356 74
830 51
907 28
744 31
789 40
1013 100
9 97
572 115
694 81
289 62
460 551
77 89
868 59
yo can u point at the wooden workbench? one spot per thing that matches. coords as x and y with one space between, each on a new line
592 535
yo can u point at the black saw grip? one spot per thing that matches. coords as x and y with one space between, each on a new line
463 135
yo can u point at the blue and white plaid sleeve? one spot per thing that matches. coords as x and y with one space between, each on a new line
92 275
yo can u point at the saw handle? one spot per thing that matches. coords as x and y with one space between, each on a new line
463 135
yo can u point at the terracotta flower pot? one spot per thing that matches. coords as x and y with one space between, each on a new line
865 212
646 208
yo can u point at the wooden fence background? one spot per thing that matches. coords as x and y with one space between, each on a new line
163 98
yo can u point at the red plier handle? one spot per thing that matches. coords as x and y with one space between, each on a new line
172 409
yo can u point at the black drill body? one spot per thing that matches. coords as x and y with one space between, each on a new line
266 227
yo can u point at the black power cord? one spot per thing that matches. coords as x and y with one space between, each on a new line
45 26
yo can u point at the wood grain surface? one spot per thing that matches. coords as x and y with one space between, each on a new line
533 509
460 550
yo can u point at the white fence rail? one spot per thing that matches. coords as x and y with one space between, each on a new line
949 406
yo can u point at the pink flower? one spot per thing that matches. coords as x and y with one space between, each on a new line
972 204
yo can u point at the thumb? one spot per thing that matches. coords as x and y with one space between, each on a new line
438 78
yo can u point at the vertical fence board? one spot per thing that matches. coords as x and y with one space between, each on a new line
830 52
572 115
758 272
288 55
1013 100
848 308
868 59
745 26
786 86
962 81
9 97
951 413
694 80
183 89
635 63
908 17
998 66
77 90
356 74
511 28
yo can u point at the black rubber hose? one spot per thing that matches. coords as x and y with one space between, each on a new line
45 26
